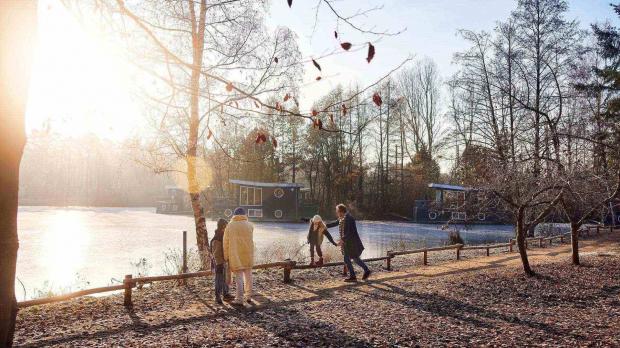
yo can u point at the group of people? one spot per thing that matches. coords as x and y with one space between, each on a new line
232 251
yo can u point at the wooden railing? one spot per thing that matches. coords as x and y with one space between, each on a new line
287 266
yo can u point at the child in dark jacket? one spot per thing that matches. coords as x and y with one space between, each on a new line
217 250
315 238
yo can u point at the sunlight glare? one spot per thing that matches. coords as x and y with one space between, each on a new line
64 245
81 81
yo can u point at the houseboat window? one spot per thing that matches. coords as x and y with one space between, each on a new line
250 195
459 215
257 213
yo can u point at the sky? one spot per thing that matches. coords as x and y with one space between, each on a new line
82 84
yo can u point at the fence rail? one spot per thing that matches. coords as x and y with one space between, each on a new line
287 266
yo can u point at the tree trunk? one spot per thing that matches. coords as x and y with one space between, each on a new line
194 188
574 241
17 31
521 235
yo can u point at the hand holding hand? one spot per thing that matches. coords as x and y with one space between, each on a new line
340 242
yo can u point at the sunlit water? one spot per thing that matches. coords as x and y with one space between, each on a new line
63 249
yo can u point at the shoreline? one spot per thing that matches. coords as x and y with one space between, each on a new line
445 303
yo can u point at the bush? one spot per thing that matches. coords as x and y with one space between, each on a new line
454 237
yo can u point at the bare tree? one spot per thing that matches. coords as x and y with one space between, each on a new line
18 27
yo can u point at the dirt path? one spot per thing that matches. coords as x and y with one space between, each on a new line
476 301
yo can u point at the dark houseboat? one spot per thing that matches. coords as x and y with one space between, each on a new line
458 204
286 202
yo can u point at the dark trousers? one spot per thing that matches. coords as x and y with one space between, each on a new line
221 288
318 250
347 261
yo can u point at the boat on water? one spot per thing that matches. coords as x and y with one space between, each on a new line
459 205
263 201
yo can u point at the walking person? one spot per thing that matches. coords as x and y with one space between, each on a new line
221 270
315 238
350 243
239 253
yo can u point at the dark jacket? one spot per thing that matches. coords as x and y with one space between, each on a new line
316 237
353 246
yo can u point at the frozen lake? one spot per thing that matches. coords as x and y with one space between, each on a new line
64 249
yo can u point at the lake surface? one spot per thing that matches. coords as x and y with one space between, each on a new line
65 249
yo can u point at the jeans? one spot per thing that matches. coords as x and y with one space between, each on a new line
221 287
318 250
347 261
243 277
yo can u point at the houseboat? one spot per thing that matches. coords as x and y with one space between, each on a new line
263 201
458 204
177 202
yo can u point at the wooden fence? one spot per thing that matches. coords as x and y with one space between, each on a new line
129 282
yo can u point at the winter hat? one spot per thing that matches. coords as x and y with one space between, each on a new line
239 211
221 224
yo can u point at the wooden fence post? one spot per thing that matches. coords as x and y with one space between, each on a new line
540 242
128 285
287 270
562 239
487 251
425 258
510 246
611 228
184 269
458 253
389 260
598 229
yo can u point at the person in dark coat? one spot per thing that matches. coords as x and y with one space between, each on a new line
350 242
222 275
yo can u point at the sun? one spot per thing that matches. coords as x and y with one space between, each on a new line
81 82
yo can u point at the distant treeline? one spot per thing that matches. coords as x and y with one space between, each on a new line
85 171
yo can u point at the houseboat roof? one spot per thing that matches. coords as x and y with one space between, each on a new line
265 184
448 187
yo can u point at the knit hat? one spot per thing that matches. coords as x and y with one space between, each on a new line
239 211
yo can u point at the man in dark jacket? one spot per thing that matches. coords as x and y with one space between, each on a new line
350 242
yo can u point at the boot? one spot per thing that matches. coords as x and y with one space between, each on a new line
344 270
320 262
312 264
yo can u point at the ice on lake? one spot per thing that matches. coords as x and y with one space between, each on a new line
77 247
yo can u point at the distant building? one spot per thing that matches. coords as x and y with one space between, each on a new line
262 201
458 204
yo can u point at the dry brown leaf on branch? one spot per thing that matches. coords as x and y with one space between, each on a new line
316 64
209 134
261 138
335 34
317 123
318 78
376 98
275 60
274 142
346 46
287 97
371 52
314 113
229 86
344 110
